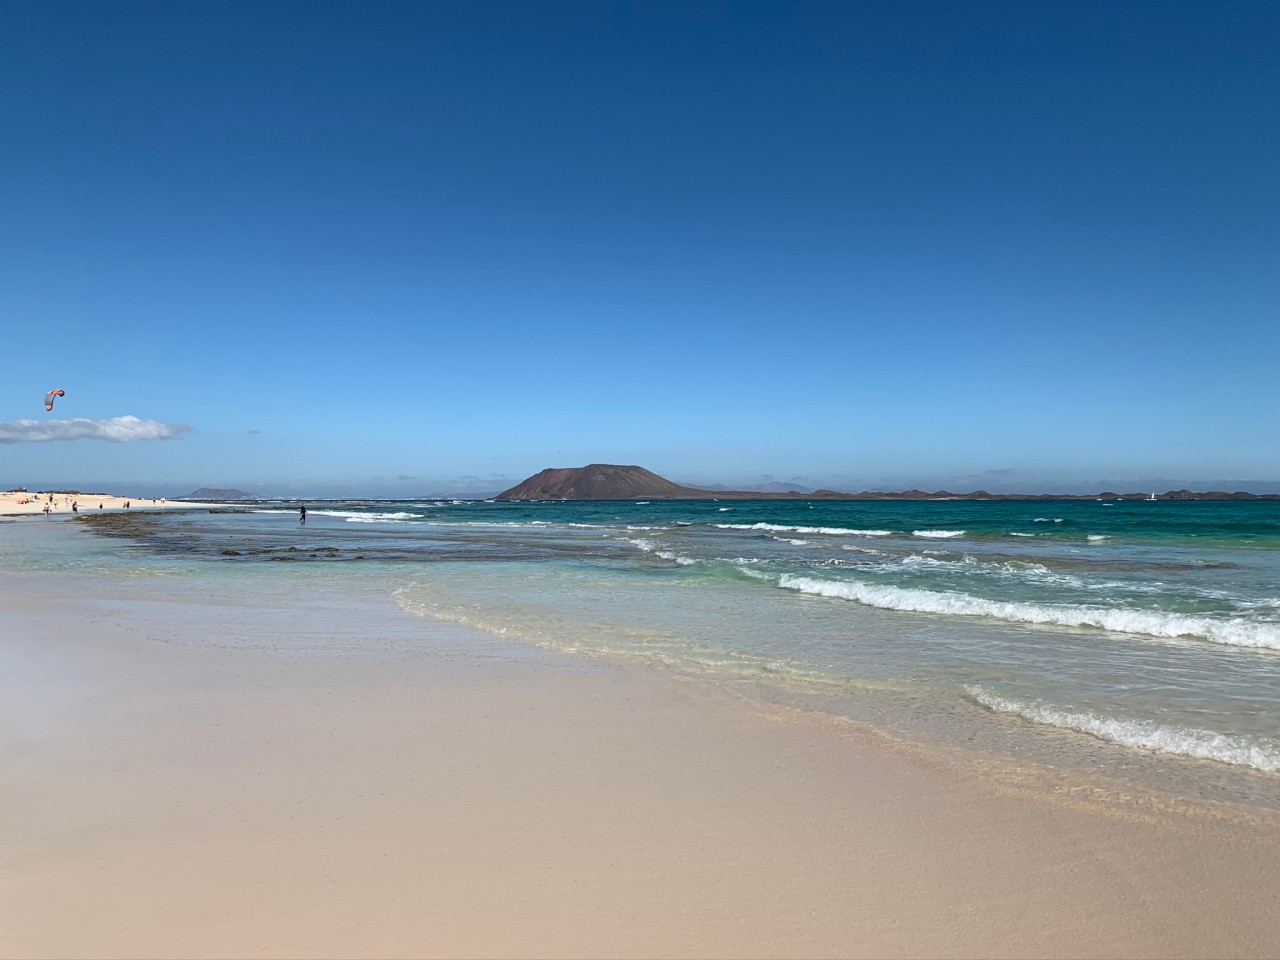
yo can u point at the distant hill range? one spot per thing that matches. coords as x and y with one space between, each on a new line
608 481
218 493
773 486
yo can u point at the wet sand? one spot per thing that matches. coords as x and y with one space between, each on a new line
474 799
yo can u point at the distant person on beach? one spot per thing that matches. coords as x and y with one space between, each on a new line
302 514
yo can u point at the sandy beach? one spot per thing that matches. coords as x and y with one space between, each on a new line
167 796
20 503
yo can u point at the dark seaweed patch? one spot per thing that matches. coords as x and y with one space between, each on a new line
122 524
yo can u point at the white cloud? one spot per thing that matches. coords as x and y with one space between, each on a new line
116 430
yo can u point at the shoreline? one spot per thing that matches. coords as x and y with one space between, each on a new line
166 796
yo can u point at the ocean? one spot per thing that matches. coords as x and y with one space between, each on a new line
1118 643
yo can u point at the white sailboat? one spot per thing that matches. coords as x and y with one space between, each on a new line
1153 495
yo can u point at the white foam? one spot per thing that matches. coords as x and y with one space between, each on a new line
1095 537
377 517
918 560
648 546
854 549
1145 734
937 534
1048 520
931 560
352 516
781 528
1151 623
515 524
669 555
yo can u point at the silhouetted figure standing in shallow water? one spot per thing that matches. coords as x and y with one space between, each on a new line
302 514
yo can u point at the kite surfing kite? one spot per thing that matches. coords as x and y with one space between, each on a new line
51 396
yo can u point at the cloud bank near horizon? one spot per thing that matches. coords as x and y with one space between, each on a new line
126 429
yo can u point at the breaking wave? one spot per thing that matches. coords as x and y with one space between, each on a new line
372 517
1151 623
648 546
781 528
1144 734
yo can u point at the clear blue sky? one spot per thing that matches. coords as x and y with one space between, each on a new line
858 243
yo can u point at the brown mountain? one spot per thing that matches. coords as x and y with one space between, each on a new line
600 481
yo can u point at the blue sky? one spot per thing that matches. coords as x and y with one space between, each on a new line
405 248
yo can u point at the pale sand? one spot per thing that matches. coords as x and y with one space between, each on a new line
21 504
165 800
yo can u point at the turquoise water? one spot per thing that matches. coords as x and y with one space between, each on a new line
1134 638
